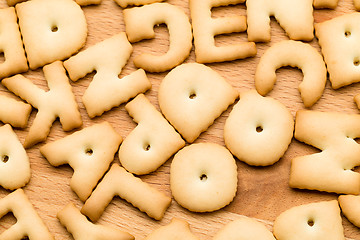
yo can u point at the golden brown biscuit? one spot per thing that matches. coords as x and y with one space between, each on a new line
28 223
11 45
140 22
203 177
58 102
177 229
14 163
152 142
259 129
320 220
350 207
126 3
295 54
14 112
338 39
192 96
49 34
244 228
295 17
96 144
106 90
331 169
81 228
205 29
117 182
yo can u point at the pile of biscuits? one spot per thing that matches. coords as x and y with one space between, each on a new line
50 37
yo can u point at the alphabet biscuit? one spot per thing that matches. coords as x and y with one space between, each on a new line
152 142
331 169
14 163
28 224
11 45
295 54
338 40
349 205
321 220
117 182
89 152
205 28
203 177
177 229
106 90
259 129
58 102
295 17
49 34
192 96
244 228
77 224
140 21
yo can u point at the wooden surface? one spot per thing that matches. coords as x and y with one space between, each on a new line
263 192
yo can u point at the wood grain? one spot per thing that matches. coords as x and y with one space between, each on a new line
263 192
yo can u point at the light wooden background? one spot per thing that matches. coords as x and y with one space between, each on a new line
263 192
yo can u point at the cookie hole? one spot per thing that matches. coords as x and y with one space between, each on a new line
356 62
357 140
259 129
54 28
203 177
89 151
2 57
347 33
192 96
310 222
5 158
147 147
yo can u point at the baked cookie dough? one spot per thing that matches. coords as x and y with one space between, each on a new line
244 228
203 177
192 96
259 129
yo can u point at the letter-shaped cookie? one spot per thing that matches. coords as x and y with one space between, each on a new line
295 17
295 54
192 96
11 44
330 170
357 5
50 34
13 2
326 3
152 142
58 102
77 224
177 229
88 2
119 182
89 152
244 228
14 162
106 90
320 220
28 224
140 22
125 3
206 28
338 39
350 207
14 112
259 129
203 177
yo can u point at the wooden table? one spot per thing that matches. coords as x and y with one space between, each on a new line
263 192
